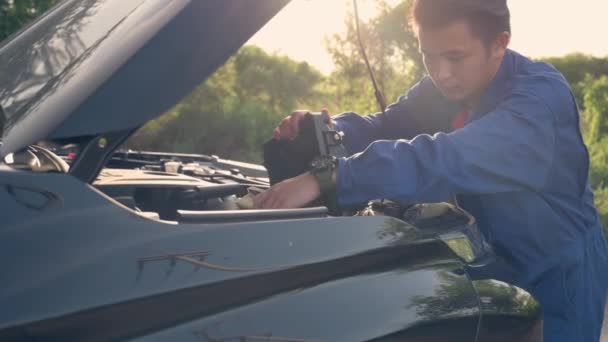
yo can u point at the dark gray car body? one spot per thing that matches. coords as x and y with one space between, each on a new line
79 265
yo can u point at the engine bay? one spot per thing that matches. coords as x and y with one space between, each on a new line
199 188
172 186
193 188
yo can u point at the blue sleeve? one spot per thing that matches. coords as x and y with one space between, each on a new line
394 123
508 149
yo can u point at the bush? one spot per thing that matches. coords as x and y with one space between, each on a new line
601 203
596 104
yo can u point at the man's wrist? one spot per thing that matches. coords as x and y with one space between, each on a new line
323 168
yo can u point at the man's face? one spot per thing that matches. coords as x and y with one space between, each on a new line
459 63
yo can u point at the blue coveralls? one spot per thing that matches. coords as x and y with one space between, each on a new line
519 166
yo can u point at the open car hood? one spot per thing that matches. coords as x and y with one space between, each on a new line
90 67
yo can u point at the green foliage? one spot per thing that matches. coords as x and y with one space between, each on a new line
598 156
598 175
392 49
580 69
595 96
232 114
577 66
596 103
278 81
601 203
14 14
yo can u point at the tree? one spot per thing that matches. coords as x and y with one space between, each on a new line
596 103
580 70
277 80
392 49
576 66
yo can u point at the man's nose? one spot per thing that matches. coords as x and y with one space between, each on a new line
444 71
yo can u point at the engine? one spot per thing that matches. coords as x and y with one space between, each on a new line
171 186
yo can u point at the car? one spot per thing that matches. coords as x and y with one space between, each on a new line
102 243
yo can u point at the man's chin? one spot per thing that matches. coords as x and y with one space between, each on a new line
454 96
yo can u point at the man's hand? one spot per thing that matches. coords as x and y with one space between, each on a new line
291 193
289 127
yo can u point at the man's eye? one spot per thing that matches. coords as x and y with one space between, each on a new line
455 59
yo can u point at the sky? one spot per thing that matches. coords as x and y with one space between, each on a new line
541 28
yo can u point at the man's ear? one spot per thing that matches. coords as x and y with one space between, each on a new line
499 47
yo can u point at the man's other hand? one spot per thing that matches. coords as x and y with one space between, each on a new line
291 193
289 127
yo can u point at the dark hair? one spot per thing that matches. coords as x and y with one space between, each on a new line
488 18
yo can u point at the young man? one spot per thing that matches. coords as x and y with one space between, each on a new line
499 132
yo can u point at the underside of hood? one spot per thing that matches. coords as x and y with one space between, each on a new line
90 67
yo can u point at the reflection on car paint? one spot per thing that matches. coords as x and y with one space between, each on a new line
205 336
197 259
